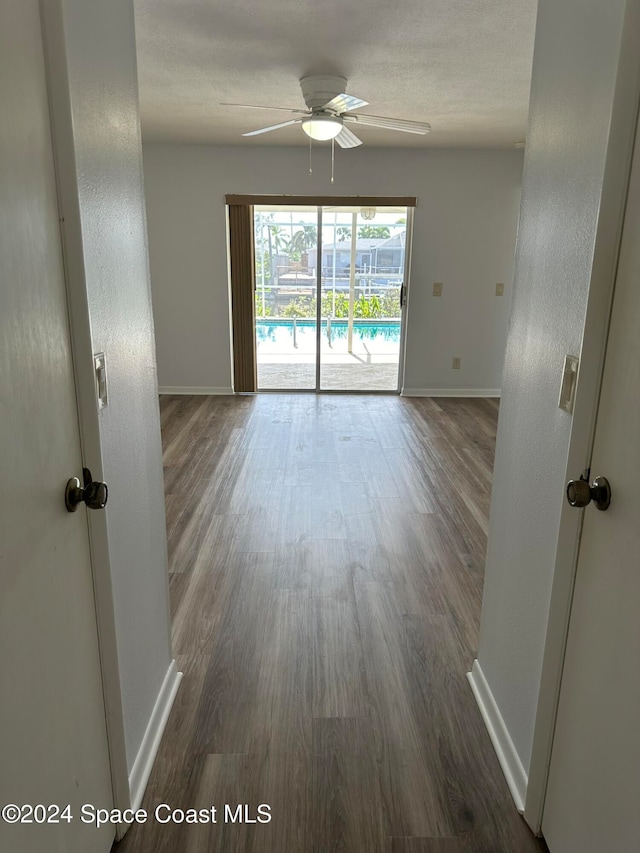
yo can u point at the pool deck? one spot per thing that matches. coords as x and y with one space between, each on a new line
352 375
372 365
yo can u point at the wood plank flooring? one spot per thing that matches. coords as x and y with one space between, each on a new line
326 567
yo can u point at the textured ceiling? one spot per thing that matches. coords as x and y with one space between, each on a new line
464 66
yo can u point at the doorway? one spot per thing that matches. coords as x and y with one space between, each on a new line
330 287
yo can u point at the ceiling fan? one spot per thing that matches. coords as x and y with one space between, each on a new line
328 114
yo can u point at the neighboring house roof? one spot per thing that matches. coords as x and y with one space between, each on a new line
365 244
396 242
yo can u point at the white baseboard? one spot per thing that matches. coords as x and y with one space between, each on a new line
406 392
500 738
450 392
141 769
194 389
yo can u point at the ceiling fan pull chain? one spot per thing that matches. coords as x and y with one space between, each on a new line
333 156
310 169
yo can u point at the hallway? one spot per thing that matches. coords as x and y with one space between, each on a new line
326 560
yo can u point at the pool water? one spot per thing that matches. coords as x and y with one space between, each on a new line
370 334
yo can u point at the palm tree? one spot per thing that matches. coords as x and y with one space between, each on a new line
279 237
311 235
304 239
277 240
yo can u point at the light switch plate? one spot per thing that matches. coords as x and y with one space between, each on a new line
455 363
100 370
437 288
568 384
500 289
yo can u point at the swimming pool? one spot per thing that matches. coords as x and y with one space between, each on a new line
279 332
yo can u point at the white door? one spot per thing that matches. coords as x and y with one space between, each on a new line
593 796
53 745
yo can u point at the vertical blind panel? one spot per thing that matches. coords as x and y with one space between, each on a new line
242 296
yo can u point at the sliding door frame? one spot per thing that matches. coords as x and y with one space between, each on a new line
318 296
323 200
239 330
404 300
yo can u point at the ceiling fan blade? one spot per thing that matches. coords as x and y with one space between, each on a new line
260 107
342 103
346 139
390 123
273 127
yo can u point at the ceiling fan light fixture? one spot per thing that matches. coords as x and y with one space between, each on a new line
321 127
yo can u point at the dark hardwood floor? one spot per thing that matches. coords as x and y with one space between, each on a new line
326 565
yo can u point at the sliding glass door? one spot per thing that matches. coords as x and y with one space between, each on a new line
363 264
286 289
329 283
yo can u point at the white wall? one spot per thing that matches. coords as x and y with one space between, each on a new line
575 78
95 113
464 236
